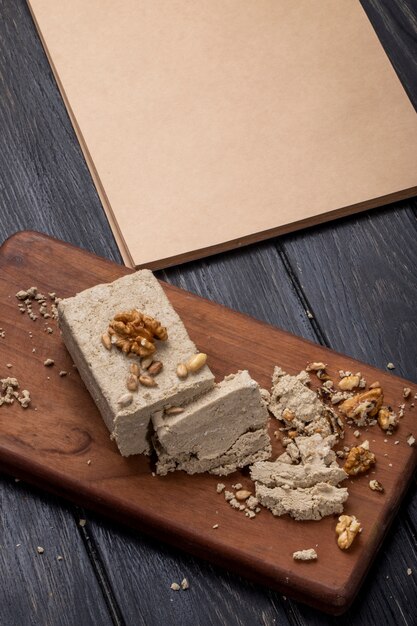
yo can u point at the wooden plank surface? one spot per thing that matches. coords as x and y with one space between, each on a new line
41 584
46 185
51 443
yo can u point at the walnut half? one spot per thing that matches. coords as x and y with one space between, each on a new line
134 332
347 528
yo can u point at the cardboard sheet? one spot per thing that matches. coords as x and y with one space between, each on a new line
211 123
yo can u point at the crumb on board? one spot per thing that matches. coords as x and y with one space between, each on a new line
375 485
175 587
9 393
82 522
40 550
305 555
390 366
29 297
49 362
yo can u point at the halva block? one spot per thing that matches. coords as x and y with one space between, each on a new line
85 317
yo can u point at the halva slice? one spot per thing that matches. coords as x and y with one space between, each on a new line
221 431
312 503
307 489
85 317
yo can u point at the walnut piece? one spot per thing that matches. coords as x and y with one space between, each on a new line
347 383
288 415
315 366
387 419
359 460
134 332
363 405
347 528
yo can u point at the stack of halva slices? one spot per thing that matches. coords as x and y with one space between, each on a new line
304 481
192 423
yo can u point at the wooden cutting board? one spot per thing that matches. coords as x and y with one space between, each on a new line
61 444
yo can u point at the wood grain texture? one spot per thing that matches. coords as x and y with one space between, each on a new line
346 289
44 181
51 443
216 596
253 281
42 588
45 185
395 23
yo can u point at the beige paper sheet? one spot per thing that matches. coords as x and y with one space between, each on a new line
211 123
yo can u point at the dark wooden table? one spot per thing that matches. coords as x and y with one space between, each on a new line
357 277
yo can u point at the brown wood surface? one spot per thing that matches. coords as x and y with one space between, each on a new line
50 443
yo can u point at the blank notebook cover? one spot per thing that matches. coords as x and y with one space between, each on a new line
208 124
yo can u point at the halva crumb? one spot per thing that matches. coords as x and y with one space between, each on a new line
375 485
9 393
29 297
305 555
